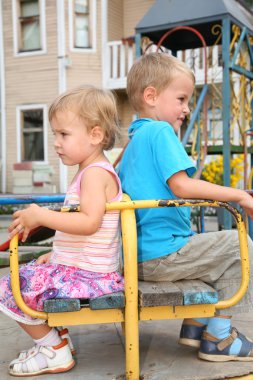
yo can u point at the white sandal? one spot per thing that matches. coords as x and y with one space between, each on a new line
58 358
63 333
25 353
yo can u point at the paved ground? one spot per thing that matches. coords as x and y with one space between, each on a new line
100 350
100 353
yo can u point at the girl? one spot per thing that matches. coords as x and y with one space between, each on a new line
85 256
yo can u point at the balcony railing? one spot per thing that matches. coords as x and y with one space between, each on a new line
120 57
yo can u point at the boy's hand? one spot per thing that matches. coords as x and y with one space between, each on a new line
44 259
247 205
24 221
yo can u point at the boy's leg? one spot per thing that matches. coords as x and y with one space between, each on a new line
220 342
191 331
50 354
234 346
213 258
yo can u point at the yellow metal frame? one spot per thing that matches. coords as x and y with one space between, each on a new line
131 315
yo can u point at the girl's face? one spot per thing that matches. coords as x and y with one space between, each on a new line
72 141
171 104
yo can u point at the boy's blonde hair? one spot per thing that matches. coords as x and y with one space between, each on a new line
156 70
94 106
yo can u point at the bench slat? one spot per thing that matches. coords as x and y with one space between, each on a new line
59 305
108 301
159 294
197 292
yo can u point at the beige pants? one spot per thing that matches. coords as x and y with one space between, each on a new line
212 257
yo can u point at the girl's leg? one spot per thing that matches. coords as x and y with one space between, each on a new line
40 331
50 354
36 331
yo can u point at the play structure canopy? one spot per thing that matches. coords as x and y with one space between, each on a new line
200 14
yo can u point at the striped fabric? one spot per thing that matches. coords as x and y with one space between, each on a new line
98 252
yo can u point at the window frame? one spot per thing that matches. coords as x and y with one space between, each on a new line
17 28
30 107
93 16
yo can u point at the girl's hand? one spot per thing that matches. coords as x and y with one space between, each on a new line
24 221
44 259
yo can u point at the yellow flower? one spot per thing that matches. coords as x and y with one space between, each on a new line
213 172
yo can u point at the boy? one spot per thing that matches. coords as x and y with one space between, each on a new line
156 166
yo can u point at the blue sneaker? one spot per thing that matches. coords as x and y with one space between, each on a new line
190 335
216 350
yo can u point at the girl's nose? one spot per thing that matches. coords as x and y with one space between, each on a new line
56 143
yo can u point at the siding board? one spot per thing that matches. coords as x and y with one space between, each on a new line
34 79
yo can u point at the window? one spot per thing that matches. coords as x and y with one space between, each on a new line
82 24
82 29
29 26
31 132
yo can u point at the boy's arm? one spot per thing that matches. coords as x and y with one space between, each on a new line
185 187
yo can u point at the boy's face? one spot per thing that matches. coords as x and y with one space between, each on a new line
172 104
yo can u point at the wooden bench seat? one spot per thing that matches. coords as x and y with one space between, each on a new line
186 292
109 301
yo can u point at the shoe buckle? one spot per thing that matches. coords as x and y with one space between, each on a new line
227 341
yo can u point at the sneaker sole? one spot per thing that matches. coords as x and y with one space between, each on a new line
189 342
63 368
224 358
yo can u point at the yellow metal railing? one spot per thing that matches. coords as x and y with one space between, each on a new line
15 284
132 314
242 235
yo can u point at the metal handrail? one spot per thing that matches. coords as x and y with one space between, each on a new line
133 205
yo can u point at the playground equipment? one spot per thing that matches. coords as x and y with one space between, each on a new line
166 301
37 234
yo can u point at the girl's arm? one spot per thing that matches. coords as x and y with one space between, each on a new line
86 222
185 187
44 259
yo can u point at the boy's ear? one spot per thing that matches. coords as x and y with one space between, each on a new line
150 95
97 135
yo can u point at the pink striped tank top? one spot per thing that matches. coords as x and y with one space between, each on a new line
98 252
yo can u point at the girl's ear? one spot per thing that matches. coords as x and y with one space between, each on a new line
150 95
97 135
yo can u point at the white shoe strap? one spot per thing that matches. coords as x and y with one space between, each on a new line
47 351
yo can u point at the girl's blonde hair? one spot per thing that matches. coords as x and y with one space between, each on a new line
94 106
156 70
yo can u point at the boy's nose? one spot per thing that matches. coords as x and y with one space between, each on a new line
187 109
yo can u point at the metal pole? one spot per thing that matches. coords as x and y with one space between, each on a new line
226 110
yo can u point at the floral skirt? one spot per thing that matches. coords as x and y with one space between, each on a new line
42 282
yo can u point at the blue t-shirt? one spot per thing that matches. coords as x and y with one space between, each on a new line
153 155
